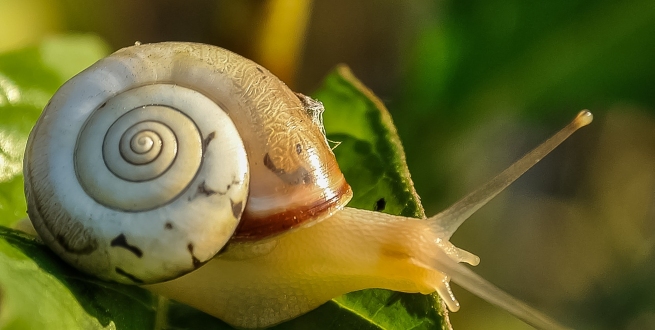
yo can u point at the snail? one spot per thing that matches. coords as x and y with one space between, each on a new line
198 174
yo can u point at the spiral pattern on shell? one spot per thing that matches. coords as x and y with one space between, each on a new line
135 183
149 152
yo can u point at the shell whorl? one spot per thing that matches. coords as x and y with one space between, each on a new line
149 152
135 184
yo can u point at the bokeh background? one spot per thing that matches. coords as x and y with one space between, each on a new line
471 85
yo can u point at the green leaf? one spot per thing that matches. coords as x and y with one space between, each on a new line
369 151
38 291
30 275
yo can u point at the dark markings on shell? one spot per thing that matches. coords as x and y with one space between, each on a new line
194 260
380 204
203 189
168 226
234 182
298 148
208 139
102 106
299 176
260 70
237 209
132 278
121 241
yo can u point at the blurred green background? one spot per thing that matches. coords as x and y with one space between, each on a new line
471 85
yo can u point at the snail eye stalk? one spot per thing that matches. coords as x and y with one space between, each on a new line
451 218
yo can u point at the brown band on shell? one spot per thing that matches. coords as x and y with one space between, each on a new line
253 228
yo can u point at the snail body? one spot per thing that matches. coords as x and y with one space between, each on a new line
147 164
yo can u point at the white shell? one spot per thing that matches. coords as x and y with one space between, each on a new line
141 181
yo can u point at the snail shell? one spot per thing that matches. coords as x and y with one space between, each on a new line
146 164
